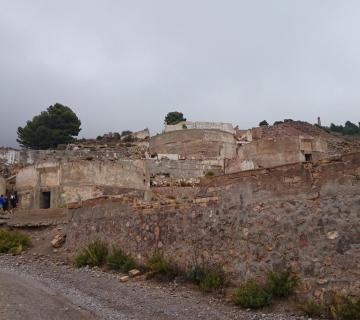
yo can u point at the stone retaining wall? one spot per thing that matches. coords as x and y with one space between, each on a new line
303 215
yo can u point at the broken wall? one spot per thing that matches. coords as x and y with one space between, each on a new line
79 180
270 152
195 144
181 172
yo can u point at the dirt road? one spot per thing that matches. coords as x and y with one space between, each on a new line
22 298
34 287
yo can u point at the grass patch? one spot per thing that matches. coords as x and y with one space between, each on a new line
283 283
208 279
161 268
13 241
345 308
252 295
311 308
94 255
120 261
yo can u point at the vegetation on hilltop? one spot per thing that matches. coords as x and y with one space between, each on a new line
174 117
57 125
349 128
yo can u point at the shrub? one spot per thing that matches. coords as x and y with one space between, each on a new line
213 280
119 260
252 295
283 283
161 268
13 242
195 274
209 174
117 135
345 308
126 133
93 255
208 279
311 308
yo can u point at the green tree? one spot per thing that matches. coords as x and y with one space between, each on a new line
57 125
174 117
263 123
349 128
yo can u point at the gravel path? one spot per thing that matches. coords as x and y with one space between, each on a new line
58 291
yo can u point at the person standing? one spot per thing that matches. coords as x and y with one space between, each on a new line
2 202
13 200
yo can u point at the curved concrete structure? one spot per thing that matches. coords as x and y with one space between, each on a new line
195 144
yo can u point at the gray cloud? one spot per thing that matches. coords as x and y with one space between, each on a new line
125 64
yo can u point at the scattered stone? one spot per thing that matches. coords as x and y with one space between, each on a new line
134 273
332 235
58 240
124 279
322 281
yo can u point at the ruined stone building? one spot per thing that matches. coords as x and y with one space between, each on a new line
55 184
181 155
252 200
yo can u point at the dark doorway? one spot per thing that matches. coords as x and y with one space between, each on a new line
308 156
45 198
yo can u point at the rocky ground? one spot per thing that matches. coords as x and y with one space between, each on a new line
34 286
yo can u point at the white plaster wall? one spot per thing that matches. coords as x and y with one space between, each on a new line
27 178
2 185
10 156
227 127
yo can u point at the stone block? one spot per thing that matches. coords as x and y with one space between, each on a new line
134 273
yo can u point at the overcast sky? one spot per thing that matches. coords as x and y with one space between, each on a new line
124 64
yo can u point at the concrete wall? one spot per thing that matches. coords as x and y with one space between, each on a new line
301 215
195 144
77 181
227 127
270 152
2 186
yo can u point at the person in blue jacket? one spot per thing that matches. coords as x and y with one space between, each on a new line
2 202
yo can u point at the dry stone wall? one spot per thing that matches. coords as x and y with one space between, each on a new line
303 215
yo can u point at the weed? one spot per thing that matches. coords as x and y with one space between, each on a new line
213 280
209 174
195 274
311 308
119 260
161 268
208 279
93 255
345 308
252 295
13 242
282 283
